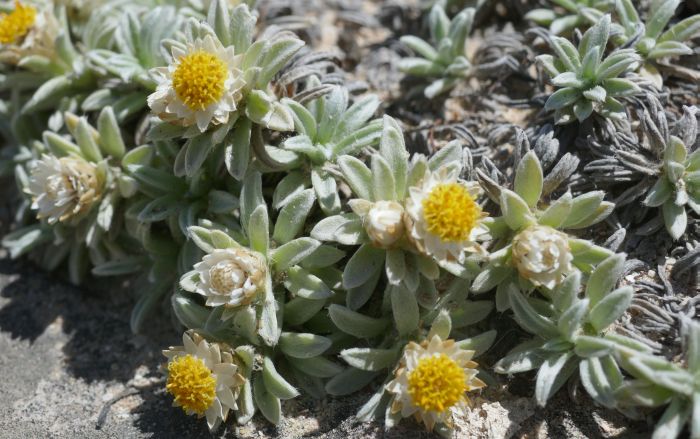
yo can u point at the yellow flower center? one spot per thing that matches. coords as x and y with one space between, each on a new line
437 383
450 212
199 79
191 383
17 23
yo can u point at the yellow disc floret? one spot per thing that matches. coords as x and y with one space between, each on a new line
191 383
17 23
437 383
450 212
199 79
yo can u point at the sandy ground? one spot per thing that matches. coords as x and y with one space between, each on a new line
67 356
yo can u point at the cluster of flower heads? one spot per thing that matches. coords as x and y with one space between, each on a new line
301 245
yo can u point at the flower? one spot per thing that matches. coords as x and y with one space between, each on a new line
26 31
202 85
203 378
63 188
431 379
383 220
443 218
230 277
541 255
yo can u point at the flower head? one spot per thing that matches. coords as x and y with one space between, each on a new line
27 31
201 86
383 221
432 379
15 25
444 218
541 255
230 277
63 188
203 378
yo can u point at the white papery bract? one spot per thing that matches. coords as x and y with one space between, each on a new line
383 221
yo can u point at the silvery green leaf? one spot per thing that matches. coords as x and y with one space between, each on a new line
292 217
589 64
438 22
596 383
405 310
695 416
548 64
420 67
659 17
427 267
48 94
303 345
479 343
59 146
326 229
335 104
164 131
262 109
441 326
349 381
683 30
604 278
395 266
188 312
159 209
155 181
603 211
439 86
269 330
317 366
383 182
237 151
362 265
369 359
675 219
524 357
675 152
541 16
582 207
111 140
563 24
86 141
460 28
246 408
557 212
393 149
356 324
242 27
572 319
299 310
245 323
375 407
610 308
291 185
251 197
119 267
668 49
596 36
529 178
617 87
304 122
553 373
562 98
470 312
691 343
567 52
219 19
222 202
358 176
567 79
202 238
567 292
489 277
671 423
268 404
361 138
304 284
324 256
420 46
451 155
529 319
281 50
356 297
616 63
326 191
293 252
595 94
515 210
356 117
195 153
642 393
259 230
